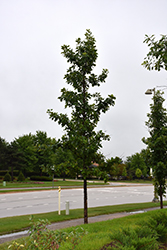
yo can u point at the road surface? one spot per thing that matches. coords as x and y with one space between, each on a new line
33 202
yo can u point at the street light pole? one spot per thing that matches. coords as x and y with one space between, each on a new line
155 199
53 168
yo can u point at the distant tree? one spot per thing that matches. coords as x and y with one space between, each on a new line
15 158
138 173
156 58
157 142
99 166
145 154
63 163
124 172
3 154
111 165
82 138
45 150
133 162
23 153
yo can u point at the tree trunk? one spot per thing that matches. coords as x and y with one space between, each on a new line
161 199
64 176
12 172
85 203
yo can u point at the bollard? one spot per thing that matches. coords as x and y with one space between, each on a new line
59 212
4 183
67 207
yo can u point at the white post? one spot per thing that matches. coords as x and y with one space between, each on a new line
67 207
59 199
151 172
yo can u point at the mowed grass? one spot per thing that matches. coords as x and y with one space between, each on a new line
48 184
19 223
98 233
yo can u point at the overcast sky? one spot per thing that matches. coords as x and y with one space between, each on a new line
32 67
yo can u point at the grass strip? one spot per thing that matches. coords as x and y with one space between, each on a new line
33 185
19 223
98 233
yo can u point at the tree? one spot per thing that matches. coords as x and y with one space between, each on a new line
80 134
157 142
157 56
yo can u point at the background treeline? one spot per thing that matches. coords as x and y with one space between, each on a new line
39 157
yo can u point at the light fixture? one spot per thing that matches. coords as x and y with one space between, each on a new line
149 92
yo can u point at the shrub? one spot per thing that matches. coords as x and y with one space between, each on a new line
21 177
35 173
142 238
40 178
158 223
43 238
7 177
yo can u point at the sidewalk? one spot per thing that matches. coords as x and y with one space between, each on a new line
70 223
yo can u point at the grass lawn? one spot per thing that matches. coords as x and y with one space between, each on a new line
59 182
99 233
48 184
142 181
18 223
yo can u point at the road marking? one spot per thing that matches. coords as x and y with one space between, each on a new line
3 199
29 206
9 208
20 198
46 204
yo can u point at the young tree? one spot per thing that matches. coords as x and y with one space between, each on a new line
157 142
157 56
138 173
81 137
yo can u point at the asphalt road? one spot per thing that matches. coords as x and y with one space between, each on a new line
34 202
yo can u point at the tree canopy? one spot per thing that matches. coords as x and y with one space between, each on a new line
156 58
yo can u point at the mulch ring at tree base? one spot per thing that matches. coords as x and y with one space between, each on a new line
113 244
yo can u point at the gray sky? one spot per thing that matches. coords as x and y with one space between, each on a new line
32 67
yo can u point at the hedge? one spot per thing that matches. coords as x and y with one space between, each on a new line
41 178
